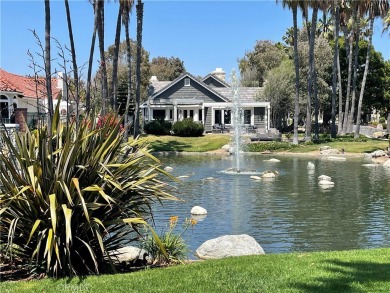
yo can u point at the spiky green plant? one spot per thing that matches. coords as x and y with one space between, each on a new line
68 200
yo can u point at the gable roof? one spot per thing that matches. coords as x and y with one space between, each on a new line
210 75
193 78
26 86
247 94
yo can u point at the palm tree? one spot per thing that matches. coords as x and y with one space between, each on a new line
140 11
73 52
374 8
114 82
293 5
91 52
127 5
103 68
336 13
48 67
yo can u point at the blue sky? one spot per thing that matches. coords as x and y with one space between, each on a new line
204 34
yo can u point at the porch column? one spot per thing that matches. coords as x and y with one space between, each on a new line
268 117
174 112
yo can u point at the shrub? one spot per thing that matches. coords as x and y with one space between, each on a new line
70 199
268 146
158 127
187 128
173 242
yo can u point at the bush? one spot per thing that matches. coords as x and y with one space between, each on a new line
187 128
158 127
176 249
70 199
269 146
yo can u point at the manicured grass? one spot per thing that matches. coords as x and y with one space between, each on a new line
339 271
204 143
211 142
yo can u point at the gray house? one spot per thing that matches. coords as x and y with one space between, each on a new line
208 101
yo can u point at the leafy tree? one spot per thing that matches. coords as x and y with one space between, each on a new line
167 68
265 56
279 90
122 66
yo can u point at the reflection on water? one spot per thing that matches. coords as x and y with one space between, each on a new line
290 213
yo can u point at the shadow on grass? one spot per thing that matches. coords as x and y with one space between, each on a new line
344 275
161 146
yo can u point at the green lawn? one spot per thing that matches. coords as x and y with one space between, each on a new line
339 271
209 142
212 142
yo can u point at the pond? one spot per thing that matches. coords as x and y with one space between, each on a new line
289 214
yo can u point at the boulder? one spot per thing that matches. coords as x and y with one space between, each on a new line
226 148
273 160
269 175
387 164
311 165
197 210
378 153
325 147
324 177
326 183
128 254
255 177
168 169
337 158
378 134
229 245
329 152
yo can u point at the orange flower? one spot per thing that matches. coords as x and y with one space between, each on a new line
173 220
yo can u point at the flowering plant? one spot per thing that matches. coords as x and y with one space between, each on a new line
173 242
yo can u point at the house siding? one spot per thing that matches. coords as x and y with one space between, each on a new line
194 91
259 121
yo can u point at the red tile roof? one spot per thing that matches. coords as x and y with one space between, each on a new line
26 86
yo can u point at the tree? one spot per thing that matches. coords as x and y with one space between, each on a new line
140 12
103 68
375 9
114 80
293 5
265 56
167 68
74 62
336 12
47 61
279 91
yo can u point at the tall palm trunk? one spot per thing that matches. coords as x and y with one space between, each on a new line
359 110
128 55
48 68
354 80
336 13
296 64
74 63
114 82
140 11
103 68
92 49
341 113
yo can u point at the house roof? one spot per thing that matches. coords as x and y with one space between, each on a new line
247 94
181 77
26 86
210 75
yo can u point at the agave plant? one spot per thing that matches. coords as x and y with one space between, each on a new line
69 200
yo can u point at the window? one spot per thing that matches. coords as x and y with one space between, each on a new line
171 114
192 113
159 114
228 116
247 116
186 81
200 115
4 107
185 114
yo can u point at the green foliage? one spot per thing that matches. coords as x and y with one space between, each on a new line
175 246
158 127
68 200
167 68
269 146
187 128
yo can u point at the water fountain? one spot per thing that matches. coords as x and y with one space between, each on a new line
237 113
